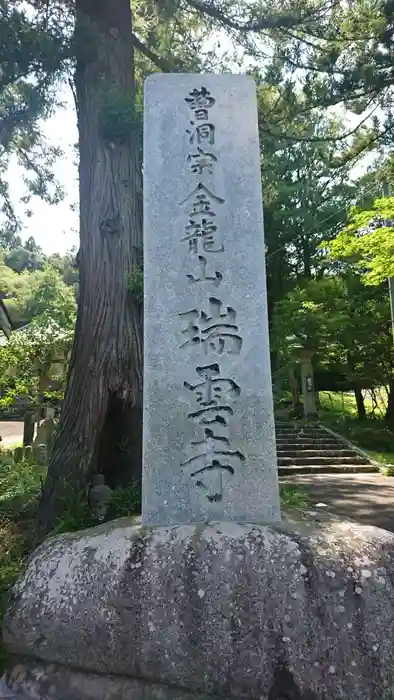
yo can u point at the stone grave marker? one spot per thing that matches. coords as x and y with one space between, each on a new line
209 442
46 434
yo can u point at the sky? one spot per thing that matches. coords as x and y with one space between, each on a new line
54 227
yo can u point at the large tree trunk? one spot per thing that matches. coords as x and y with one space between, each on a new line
104 387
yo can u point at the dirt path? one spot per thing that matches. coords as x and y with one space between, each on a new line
366 498
11 432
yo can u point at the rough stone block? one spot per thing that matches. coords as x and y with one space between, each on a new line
235 611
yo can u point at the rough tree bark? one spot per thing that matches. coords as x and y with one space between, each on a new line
100 424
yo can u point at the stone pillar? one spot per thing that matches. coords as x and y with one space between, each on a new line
308 385
209 441
28 428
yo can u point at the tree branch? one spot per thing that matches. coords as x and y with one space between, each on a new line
268 22
161 63
322 139
74 93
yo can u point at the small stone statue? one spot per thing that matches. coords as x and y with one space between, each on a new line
46 433
28 428
99 497
28 453
18 454
40 453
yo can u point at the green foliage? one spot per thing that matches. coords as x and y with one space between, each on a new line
75 511
339 412
20 486
136 283
368 241
37 293
42 298
12 555
305 198
345 323
309 316
76 516
176 35
344 56
19 259
339 406
67 266
292 496
387 470
125 501
7 279
29 354
49 297
318 57
119 114
372 435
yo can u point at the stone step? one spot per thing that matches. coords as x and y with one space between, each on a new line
296 425
303 461
300 429
310 444
305 436
327 469
281 452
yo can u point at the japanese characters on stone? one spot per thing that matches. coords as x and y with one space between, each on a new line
213 330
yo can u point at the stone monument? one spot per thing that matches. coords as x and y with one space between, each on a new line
209 441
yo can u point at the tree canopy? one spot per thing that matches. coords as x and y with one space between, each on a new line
368 241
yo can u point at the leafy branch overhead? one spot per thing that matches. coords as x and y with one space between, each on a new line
259 16
323 51
368 241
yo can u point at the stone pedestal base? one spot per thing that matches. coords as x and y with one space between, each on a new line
234 611
53 682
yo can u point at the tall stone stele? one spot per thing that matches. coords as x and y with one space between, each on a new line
209 441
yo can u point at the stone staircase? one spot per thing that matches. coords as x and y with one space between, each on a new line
306 449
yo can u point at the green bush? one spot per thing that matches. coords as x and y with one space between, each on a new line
12 555
20 486
76 516
125 501
370 434
373 435
75 512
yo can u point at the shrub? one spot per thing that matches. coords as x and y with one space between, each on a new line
292 496
20 486
125 501
12 554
